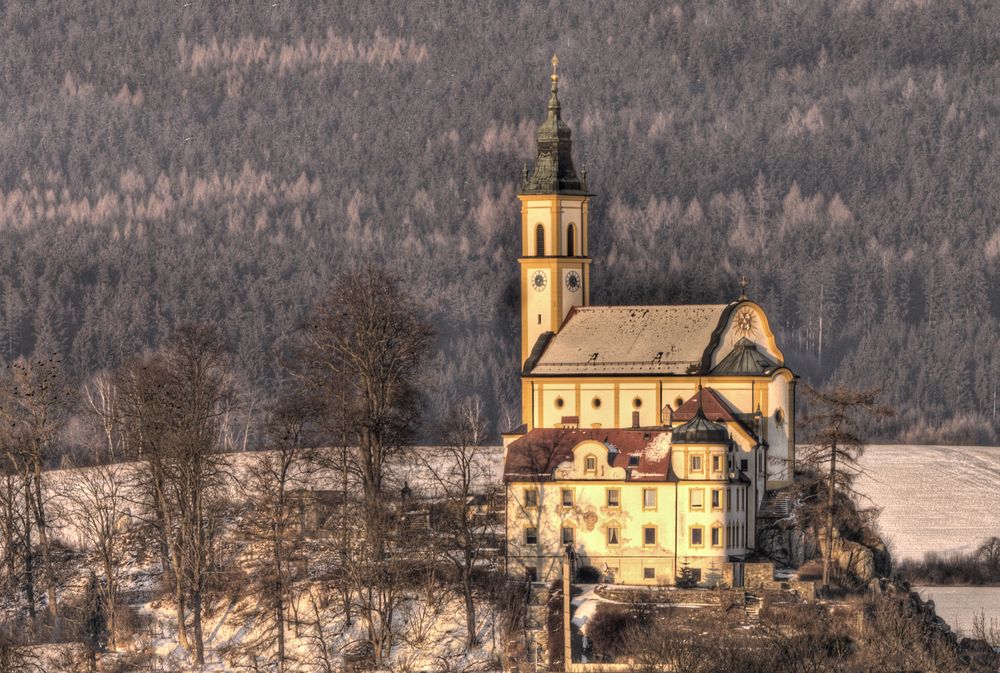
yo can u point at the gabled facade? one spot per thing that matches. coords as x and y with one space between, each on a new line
603 386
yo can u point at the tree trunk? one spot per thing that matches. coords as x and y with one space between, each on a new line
110 600
345 592
279 620
199 643
470 612
43 540
279 599
29 562
830 503
182 639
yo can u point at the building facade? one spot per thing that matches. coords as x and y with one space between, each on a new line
650 434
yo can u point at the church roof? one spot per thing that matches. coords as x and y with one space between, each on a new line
715 408
644 453
633 340
712 406
745 358
700 430
553 172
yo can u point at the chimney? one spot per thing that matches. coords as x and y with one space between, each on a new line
635 419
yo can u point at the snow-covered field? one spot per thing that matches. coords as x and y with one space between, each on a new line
933 498
943 499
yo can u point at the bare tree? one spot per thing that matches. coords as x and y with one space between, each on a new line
98 507
11 525
360 354
16 657
835 446
460 472
174 404
144 416
35 403
100 397
269 484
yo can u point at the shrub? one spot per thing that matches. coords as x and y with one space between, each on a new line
588 575
609 629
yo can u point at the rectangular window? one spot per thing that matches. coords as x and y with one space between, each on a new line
612 535
530 536
696 463
590 464
716 499
614 497
729 499
531 497
649 498
696 537
567 497
649 573
697 498
716 537
716 463
531 573
649 535
568 535
744 465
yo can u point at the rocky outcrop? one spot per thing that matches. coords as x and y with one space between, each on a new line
977 655
858 562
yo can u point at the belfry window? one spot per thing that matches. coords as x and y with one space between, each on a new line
540 241
570 240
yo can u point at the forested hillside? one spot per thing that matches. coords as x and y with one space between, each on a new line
174 161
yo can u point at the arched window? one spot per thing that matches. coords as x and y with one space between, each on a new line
540 240
570 240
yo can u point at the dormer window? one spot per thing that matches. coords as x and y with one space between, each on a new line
590 464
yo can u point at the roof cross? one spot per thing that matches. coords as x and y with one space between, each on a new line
743 287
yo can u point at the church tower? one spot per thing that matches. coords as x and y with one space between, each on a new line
555 268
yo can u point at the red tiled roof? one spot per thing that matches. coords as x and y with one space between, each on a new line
536 455
713 406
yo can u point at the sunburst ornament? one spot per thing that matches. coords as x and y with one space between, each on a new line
745 322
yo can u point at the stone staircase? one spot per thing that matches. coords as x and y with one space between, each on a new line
776 505
752 606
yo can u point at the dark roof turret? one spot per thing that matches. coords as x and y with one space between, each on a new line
553 172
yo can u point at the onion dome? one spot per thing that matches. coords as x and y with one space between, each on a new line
553 172
745 358
700 430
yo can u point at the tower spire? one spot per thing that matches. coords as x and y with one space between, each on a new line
553 172
554 99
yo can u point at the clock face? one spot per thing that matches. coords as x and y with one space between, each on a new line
539 281
573 282
744 323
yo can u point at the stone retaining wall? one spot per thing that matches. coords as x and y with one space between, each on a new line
759 577
670 595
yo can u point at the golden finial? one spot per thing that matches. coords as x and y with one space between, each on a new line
555 65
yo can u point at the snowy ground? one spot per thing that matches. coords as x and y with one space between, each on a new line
933 498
